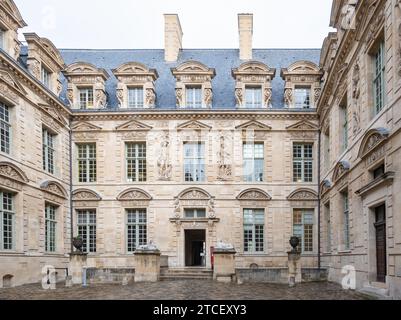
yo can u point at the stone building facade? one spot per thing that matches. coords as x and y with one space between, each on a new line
185 148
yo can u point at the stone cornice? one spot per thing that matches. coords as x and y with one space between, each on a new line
174 114
25 77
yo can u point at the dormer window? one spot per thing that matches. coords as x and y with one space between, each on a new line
46 77
194 97
135 98
194 85
86 86
302 85
86 98
44 62
253 97
302 97
253 88
136 86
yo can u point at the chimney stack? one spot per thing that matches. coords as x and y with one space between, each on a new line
245 27
172 37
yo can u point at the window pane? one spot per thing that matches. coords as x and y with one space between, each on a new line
86 98
194 162
7 221
253 96
253 155
135 98
87 162
302 162
4 128
378 81
136 229
302 98
136 162
87 229
50 228
254 230
194 97
303 228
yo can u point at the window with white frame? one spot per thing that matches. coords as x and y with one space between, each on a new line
378 79
303 228
48 150
87 162
50 228
46 77
302 97
194 97
136 161
195 213
254 227
345 204
253 97
87 229
5 128
136 229
7 222
303 162
2 39
253 162
194 162
85 98
135 97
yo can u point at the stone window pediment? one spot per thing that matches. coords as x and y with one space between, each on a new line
133 125
253 74
194 198
371 141
82 75
193 74
134 194
302 75
254 194
136 75
193 125
303 126
54 188
44 57
303 194
10 87
85 195
12 176
341 169
325 186
84 126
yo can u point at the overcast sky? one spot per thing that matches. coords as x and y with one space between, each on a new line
206 23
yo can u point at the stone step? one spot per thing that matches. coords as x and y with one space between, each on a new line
378 291
184 277
186 274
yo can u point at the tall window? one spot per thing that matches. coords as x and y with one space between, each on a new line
253 97
136 229
344 123
48 151
136 162
135 97
45 76
303 162
87 162
50 228
303 228
195 213
194 97
302 98
194 162
345 201
2 39
253 162
328 227
7 221
254 226
5 128
87 229
85 98
378 80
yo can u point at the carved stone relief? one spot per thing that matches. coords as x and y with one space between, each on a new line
164 163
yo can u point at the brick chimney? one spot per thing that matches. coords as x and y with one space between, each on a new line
245 27
172 37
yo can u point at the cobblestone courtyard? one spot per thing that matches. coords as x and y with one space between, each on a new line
185 290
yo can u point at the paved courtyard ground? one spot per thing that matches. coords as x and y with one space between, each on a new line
184 290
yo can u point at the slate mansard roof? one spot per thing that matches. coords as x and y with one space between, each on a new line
223 60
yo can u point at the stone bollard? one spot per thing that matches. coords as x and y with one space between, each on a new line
147 264
224 263
68 281
77 263
294 268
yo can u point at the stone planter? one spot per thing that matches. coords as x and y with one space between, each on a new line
147 265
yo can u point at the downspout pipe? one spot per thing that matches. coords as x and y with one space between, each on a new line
71 187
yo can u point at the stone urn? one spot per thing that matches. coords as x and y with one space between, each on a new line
294 242
78 243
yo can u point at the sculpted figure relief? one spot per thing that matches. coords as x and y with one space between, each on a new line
239 96
150 98
225 169
288 97
163 162
268 96
356 91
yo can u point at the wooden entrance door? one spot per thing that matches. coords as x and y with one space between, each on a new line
381 256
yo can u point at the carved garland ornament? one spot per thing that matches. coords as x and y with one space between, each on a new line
373 138
54 188
85 195
134 194
12 172
303 194
254 194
